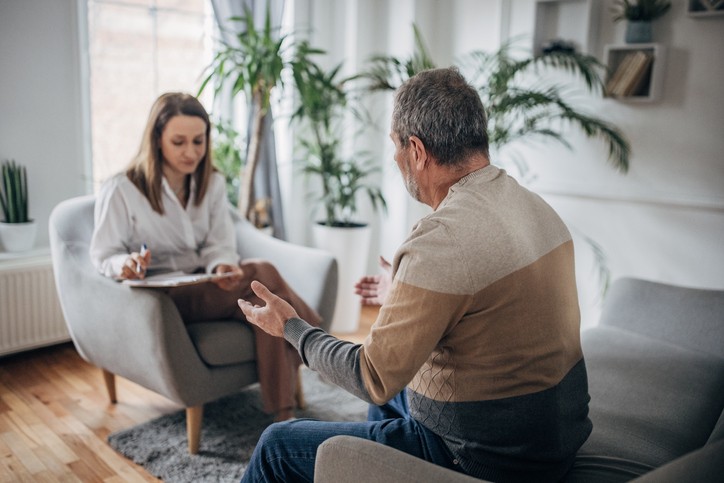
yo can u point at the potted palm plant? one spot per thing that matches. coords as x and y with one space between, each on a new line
17 231
638 15
228 157
251 65
517 110
320 115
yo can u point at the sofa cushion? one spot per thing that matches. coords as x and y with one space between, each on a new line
651 401
224 342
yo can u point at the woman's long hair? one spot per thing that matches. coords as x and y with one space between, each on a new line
145 170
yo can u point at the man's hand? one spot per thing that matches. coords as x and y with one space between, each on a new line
373 289
273 316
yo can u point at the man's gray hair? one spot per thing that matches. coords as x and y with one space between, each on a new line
444 111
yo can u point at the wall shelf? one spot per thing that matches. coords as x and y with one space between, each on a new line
566 20
649 86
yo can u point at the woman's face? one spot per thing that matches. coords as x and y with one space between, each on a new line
183 145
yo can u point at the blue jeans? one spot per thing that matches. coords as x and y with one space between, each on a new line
286 451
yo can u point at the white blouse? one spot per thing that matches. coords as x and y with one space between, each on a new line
187 239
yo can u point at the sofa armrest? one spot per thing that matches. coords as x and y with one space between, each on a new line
688 317
345 459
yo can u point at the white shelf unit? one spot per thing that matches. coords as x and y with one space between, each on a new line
567 20
652 86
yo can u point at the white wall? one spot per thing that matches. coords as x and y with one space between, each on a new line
662 221
40 101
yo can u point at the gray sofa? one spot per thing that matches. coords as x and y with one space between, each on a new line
656 379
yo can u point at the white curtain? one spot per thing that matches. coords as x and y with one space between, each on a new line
266 177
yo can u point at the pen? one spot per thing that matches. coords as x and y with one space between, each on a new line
144 249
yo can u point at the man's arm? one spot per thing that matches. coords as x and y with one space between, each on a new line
336 360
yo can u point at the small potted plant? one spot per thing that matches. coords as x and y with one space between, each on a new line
17 230
639 14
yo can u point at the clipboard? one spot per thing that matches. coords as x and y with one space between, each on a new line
176 279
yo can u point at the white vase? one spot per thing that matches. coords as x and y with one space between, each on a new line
17 237
350 246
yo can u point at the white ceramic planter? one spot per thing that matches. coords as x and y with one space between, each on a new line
17 237
350 246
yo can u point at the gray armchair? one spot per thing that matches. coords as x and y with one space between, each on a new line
138 334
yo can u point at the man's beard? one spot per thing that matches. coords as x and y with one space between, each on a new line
410 183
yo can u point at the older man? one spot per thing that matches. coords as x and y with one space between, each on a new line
474 362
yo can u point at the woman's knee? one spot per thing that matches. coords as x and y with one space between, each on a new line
265 272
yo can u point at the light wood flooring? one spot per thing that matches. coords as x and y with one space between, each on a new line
55 416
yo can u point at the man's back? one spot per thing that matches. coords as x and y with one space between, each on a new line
484 291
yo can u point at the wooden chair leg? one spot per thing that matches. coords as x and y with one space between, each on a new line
110 379
299 391
194 416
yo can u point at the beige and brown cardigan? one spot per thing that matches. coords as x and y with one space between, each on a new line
482 327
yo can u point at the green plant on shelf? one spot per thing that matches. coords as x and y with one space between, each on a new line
639 10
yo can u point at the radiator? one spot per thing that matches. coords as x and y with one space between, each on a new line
30 314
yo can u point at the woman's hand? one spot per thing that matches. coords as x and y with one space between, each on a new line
135 266
232 282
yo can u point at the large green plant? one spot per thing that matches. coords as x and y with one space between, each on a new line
14 193
639 10
252 64
228 158
322 106
518 109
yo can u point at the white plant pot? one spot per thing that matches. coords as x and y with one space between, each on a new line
350 246
17 237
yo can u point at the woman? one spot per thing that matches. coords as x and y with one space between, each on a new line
172 201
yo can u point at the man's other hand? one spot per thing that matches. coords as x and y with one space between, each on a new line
374 288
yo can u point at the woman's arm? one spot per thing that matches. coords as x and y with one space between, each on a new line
108 247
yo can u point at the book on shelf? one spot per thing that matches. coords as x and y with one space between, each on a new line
630 74
615 80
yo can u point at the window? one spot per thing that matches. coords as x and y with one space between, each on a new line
139 49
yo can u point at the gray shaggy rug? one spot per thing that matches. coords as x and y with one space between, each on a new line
231 427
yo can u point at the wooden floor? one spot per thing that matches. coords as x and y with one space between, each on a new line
55 416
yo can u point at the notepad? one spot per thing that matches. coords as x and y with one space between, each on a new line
176 279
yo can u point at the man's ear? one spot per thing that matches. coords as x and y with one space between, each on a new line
419 154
